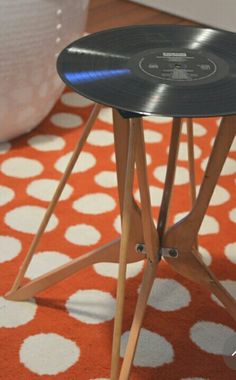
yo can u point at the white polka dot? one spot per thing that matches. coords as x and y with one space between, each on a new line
220 195
151 136
43 262
28 218
113 157
148 159
168 295
106 179
105 115
210 336
233 146
20 167
183 151
6 195
218 121
111 269
155 195
180 216
205 255
232 215
209 225
158 119
46 143
4 147
100 137
228 168
44 189
117 224
94 204
230 286
85 162
72 99
14 314
10 248
198 129
230 252
212 141
159 350
48 354
91 306
181 175
82 234
66 120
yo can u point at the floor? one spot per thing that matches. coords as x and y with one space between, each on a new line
105 14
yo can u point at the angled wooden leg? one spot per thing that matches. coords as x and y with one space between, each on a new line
121 140
170 176
125 237
106 253
151 241
182 235
55 199
151 237
146 287
191 166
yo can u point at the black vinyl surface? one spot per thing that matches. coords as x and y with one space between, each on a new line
169 70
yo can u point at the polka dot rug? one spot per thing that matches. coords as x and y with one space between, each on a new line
65 332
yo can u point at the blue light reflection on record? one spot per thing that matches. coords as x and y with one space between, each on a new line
90 76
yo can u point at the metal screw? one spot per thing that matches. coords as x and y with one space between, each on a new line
140 248
173 252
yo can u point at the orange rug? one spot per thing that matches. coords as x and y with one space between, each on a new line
66 331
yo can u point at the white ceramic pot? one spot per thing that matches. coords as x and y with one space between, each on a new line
32 33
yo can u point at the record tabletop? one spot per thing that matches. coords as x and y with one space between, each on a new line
179 71
155 69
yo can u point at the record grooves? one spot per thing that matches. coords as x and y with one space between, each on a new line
169 70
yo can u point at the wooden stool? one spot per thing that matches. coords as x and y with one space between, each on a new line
140 240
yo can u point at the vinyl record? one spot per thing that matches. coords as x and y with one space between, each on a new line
170 70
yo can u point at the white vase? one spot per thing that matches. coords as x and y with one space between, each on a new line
32 33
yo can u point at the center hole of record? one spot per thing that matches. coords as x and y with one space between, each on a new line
176 65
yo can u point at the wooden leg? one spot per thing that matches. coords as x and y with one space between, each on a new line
182 235
191 167
189 265
56 197
106 253
191 160
151 241
151 237
121 137
126 229
146 287
170 176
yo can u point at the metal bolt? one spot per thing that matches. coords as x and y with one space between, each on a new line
140 248
173 252
168 252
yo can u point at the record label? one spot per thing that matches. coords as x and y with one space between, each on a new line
182 65
179 67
